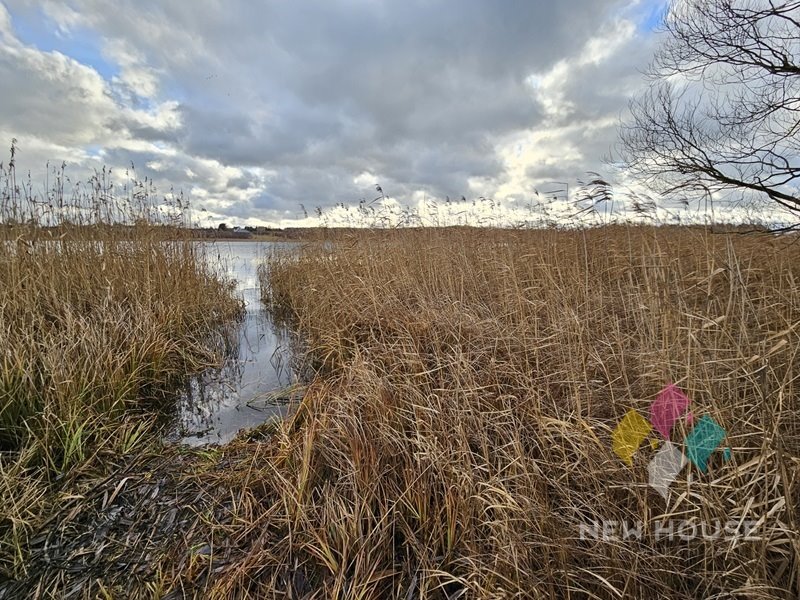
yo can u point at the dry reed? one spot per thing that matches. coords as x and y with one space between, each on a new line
103 308
457 437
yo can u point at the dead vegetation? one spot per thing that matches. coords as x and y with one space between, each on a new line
100 316
458 435
472 379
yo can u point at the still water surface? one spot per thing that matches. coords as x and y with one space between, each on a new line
219 403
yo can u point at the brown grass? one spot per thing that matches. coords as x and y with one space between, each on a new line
98 321
458 434
461 432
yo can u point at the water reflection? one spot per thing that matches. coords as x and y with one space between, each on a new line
251 387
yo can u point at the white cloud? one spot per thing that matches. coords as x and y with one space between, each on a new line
63 16
163 117
551 87
582 97
5 22
135 77
365 179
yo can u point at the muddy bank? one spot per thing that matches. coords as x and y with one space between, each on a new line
155 512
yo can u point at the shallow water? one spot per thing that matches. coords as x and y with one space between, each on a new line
219 403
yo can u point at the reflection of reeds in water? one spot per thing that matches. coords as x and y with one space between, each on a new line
260 371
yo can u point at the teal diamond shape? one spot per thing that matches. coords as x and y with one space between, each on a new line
701 442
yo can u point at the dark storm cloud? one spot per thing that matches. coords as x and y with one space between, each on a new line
301 98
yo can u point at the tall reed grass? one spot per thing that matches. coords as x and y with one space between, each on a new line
457 438
104 307
459 435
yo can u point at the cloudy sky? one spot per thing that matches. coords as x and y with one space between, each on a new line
256 108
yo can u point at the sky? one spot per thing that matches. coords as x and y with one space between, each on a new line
262 112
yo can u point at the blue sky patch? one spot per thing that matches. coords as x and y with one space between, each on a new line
83 45
651 15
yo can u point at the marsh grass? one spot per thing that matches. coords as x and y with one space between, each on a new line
104 308
459 433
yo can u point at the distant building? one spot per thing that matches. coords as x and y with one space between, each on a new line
238 232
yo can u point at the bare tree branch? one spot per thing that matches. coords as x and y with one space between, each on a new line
722 111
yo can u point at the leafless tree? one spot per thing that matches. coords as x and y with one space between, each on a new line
722 109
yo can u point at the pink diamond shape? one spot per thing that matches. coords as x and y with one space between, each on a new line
667 408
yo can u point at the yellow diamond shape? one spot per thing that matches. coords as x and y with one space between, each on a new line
629 435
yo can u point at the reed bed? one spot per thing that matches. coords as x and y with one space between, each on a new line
103 310
460 432
457 438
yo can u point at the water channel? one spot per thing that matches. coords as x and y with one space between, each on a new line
255 382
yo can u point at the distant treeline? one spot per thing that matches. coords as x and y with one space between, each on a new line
124 231
290 233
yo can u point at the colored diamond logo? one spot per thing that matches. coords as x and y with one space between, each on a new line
664 468
668 407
